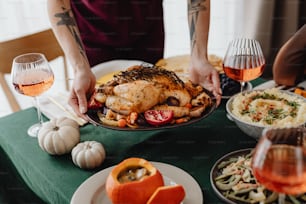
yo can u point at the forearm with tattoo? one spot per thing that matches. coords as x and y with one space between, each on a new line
194 8
66 19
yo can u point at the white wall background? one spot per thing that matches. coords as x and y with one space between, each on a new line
225 23
20 17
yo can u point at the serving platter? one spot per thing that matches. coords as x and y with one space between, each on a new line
93 117
92 190
216 171
271 84
105 72
112 66
228 158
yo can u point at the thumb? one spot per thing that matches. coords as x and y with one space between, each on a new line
82 103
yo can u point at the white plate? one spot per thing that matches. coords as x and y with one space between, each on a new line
93 191
266 85
113 65
271 84
302 84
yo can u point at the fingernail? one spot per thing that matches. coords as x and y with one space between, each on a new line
82 110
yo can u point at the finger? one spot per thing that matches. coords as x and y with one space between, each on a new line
216 83
82 102
218 98
73 102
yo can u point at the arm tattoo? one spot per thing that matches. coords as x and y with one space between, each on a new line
194 7
67 20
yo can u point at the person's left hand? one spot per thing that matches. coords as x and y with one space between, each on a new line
203 73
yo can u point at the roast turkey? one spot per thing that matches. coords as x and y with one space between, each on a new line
141 88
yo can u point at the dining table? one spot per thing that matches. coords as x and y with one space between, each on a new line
30 175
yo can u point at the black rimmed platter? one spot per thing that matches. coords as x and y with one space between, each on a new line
93 116
232 156
216 171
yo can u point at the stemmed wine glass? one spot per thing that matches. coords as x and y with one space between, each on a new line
32 76
279 161
244 60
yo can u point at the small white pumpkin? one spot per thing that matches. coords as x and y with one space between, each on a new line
59 135
88 154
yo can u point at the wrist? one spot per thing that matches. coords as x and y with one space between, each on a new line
81 66
199 54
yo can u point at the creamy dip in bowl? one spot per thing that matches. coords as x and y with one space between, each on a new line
255 110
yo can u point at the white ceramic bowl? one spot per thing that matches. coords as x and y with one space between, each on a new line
252 129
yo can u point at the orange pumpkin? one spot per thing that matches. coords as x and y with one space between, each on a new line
168 195
133 181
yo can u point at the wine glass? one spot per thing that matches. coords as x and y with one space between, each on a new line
279 161
244 60
32 76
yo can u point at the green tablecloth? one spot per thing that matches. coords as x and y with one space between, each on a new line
193 148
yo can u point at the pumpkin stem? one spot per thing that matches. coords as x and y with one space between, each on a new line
56 128
88 146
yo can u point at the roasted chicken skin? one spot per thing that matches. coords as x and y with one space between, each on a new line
141 88
159 76
137 96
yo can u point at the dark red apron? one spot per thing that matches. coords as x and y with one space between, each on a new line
120 29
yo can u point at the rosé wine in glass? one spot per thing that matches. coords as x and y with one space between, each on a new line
279 161
33 82
244 60
32 76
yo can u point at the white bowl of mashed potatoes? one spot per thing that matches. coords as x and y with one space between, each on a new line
252 111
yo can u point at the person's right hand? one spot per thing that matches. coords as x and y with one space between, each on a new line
83 86
203 73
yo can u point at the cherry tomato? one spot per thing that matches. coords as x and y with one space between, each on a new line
158 117
93 103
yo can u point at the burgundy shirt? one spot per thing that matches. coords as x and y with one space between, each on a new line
120 29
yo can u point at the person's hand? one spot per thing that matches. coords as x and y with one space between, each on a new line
83 86
203 73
